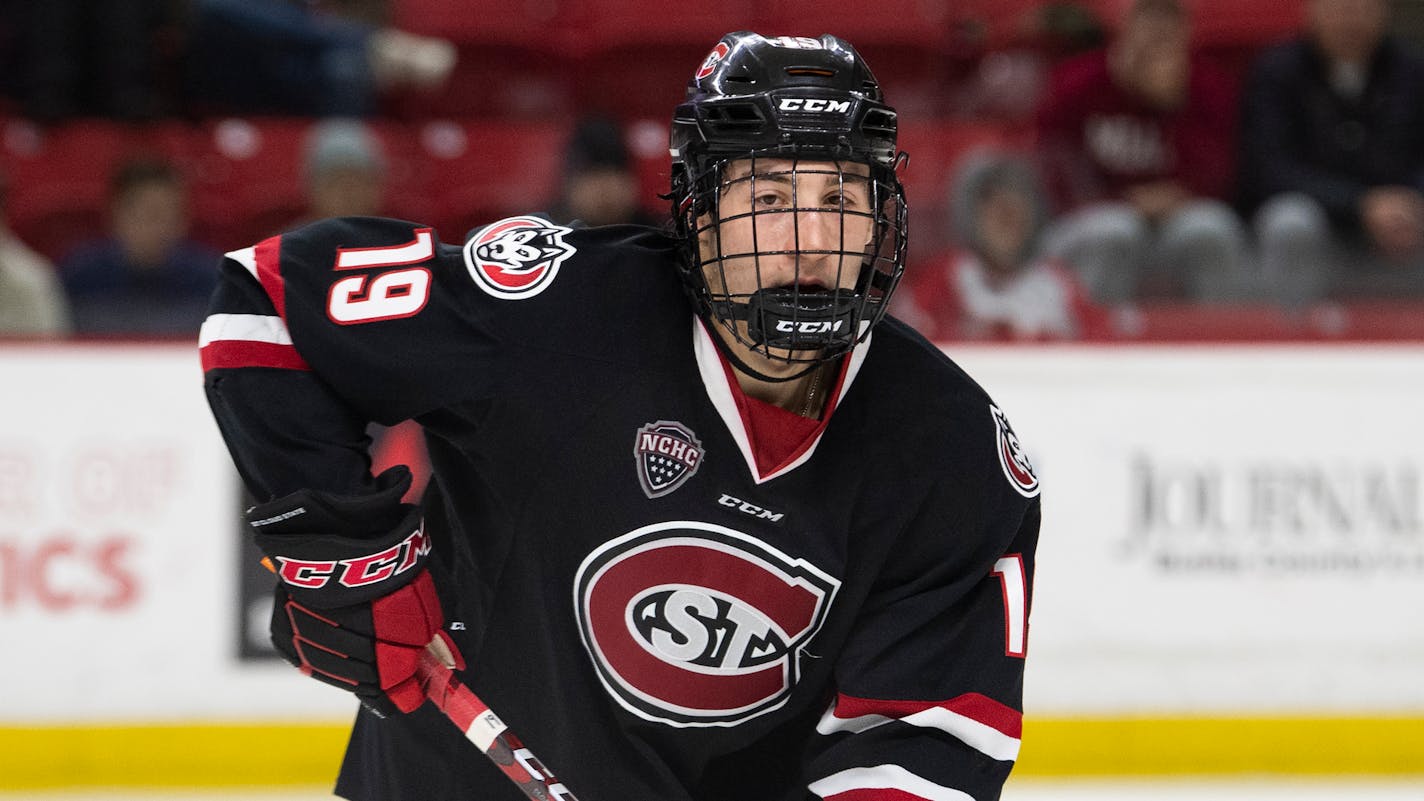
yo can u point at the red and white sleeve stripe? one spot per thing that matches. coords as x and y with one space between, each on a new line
883 783
982 723
247 340
252 340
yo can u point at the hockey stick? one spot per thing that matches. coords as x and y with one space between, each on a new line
484 728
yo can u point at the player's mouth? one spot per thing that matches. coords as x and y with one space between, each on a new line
805 285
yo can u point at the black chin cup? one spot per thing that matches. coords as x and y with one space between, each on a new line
790 319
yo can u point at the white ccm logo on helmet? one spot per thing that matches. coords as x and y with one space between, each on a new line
814 104
692 624
808 326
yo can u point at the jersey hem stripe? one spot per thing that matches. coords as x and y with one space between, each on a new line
976 720
883 783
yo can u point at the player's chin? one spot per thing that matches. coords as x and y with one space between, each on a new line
780 362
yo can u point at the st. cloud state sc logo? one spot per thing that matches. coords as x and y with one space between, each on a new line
693 624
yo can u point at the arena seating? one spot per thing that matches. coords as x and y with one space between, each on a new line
246 174
490 143
631 56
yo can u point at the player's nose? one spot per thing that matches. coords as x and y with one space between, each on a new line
818 246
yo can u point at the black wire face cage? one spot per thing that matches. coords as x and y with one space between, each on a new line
779 278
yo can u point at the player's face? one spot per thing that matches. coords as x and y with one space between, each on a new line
785 223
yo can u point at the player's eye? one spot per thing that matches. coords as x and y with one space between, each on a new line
768 199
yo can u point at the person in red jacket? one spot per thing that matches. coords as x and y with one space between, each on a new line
994 284
1138 141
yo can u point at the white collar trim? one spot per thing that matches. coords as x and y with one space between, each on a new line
720 392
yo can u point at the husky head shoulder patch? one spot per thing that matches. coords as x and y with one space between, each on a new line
1012 457
518 257
666 454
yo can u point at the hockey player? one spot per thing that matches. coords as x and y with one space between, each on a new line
703 524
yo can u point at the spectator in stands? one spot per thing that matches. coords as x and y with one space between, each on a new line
108 58
344 170
146 277
1333 158
300 58
31 301
995 285
1138 141
1008 82
598 185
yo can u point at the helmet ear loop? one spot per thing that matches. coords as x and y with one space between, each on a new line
722 294
701 211
756 257
879 226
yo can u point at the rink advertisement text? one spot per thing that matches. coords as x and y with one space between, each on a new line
1275 516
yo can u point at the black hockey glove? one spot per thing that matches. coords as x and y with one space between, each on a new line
355 606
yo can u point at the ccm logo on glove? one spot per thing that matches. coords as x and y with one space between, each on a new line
358 571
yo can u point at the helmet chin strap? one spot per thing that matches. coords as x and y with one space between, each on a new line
793 320
717 326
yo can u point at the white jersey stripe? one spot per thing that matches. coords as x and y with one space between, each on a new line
884 777
983 738
714 378
243 327
247 257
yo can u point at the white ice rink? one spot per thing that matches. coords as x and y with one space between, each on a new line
1025 790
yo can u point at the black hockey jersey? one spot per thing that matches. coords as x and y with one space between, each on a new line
662 607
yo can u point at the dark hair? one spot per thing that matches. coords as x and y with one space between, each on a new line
596 143
1170 8
142 171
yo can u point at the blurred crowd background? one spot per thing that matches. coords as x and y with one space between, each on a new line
1079 169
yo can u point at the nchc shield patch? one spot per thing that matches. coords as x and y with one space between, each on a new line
518 257
666 454
691 624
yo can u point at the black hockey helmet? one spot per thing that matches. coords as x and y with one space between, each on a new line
795 100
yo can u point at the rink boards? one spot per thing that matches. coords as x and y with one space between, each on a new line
1231 562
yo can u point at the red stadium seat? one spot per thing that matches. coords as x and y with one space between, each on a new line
249 180
1225 22
59 177
1231 22
485 22
647 140
479 171
634 57
907 23
629 24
